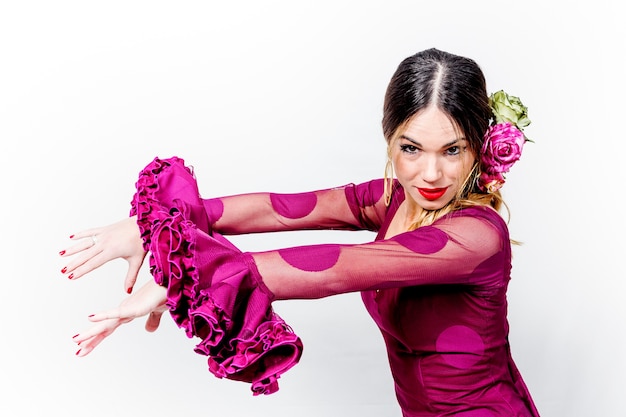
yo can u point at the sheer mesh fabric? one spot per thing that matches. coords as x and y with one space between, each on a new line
437 293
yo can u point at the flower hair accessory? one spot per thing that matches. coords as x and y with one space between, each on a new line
503 141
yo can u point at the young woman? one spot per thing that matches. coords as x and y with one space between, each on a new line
434 280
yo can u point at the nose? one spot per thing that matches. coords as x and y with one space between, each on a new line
431 171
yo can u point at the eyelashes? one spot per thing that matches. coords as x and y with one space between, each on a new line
451 151
410 149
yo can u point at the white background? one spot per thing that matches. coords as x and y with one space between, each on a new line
286 96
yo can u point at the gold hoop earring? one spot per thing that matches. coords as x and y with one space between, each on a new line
388 182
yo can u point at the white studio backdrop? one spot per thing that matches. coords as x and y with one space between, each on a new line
287 96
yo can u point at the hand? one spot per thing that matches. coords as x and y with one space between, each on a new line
149 300
97 246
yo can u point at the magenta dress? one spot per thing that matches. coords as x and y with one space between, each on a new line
438 293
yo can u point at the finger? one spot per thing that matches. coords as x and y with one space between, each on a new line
81 240
86 233
79 246
127 311
93 258
153 321
105 327
92 337
116 313
86 347
134 265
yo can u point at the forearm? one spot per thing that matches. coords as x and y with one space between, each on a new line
272 212
167 184
425 256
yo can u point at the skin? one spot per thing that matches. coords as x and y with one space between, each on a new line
148 301
118 240
429 155
432 156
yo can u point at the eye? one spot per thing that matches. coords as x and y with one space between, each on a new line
407 148
454 150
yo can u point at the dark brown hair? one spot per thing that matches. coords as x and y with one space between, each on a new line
455 84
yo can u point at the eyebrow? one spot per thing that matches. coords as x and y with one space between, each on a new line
444 146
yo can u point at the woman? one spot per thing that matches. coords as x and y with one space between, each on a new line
434 280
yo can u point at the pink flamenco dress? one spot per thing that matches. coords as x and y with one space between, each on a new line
436 293
210 292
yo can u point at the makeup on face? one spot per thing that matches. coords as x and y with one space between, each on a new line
432 194
431 159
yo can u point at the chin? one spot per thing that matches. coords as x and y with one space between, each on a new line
429 204
434 204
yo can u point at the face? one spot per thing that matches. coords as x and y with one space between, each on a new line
431 159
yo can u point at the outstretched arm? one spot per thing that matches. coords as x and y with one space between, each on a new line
470 247
272 212
167 184
467 250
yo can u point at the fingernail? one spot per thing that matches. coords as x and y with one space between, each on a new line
129 290
64 270
78 352
75 336
71 236
70 276
91 315
62 253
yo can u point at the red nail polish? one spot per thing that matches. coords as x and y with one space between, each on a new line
129 290
64 270
91 315
62 253
78 351
71 236
74 337
70 276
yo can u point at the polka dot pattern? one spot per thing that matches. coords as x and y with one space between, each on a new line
457 339
434 313
293 206
314 259
425 240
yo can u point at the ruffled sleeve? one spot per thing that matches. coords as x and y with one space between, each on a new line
214 291
162 185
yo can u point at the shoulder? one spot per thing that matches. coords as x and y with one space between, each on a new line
481 213
476 225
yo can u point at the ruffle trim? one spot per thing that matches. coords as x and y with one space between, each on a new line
259 358
172 266
145 204
217 298
214 291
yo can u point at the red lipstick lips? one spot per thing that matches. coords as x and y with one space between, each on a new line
432 193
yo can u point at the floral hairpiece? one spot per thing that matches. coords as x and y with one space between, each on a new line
503 141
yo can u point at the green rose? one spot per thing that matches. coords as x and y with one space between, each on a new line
509 109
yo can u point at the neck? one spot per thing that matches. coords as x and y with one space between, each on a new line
410 213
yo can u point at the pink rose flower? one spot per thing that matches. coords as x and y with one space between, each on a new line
490 182
502 148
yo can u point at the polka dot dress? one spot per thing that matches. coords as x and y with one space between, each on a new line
437 293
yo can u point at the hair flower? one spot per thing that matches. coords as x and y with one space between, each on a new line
503 141
508 108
